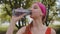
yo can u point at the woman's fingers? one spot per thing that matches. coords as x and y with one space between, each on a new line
21 16
15 18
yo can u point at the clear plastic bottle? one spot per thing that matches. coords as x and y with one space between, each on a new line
20 11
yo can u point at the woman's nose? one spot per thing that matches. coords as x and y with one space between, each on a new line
31 9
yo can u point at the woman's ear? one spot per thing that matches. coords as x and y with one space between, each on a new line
41 14
44 20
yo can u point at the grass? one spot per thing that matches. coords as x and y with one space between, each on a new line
4 28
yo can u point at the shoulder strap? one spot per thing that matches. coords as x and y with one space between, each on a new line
48 31
27 31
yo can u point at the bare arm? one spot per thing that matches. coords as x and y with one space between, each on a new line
11 28
22 30
53 31
12 24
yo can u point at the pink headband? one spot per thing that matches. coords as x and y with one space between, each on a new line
42 7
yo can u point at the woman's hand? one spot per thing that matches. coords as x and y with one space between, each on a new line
12 24
15 18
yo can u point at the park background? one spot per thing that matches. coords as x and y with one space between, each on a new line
6 6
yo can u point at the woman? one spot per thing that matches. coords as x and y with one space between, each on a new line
36 27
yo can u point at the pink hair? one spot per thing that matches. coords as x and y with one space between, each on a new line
42 7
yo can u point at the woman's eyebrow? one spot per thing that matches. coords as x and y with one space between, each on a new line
36 6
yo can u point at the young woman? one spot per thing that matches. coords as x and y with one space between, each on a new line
36 27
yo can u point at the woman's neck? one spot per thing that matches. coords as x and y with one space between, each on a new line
37 23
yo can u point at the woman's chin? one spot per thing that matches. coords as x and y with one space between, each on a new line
32 17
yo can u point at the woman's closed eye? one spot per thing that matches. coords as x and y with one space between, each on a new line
35 7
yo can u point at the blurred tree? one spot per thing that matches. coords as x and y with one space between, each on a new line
9 5
3 14
49 4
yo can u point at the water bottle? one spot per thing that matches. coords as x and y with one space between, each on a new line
20 11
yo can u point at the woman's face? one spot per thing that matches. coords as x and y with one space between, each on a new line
36 11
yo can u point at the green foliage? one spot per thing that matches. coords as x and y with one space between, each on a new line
52 8
50 2
3 15
7 6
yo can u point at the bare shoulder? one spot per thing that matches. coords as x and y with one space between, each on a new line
53 31
21 30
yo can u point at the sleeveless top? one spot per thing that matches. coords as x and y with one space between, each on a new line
48 31
27 31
